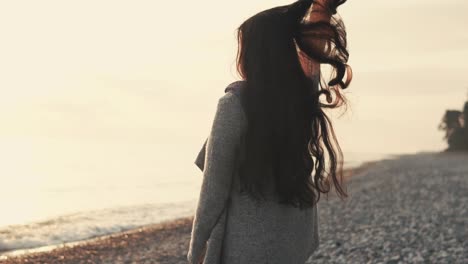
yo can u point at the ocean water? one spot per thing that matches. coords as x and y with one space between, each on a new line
103 139
83 225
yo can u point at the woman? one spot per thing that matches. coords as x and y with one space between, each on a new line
272 152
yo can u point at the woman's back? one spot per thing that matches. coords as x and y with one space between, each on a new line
267 231
245 230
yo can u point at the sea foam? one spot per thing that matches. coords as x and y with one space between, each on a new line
89 224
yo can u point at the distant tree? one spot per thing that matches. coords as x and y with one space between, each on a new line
454 131
455 125
465 115
465 125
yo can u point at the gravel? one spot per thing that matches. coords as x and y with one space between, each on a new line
413 209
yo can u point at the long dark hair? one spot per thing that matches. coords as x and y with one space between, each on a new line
290 141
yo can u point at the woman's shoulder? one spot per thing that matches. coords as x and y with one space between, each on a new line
232 94
236 89
230 103
235 86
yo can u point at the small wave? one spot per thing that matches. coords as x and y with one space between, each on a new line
90 224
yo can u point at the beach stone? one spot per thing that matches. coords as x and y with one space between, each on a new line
410 209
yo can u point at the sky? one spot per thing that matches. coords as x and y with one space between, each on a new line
96 89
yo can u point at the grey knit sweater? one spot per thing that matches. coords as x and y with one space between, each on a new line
231 227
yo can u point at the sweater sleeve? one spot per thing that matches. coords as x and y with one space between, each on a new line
220 157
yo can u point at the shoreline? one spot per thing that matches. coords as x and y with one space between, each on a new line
108 245
96 239
39 253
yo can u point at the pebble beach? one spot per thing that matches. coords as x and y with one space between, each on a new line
413 209
410 209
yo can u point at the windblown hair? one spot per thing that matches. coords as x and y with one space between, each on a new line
290 141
